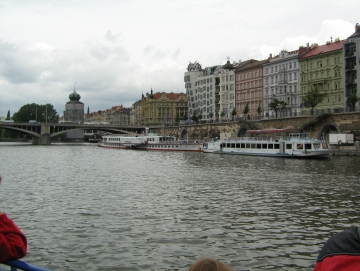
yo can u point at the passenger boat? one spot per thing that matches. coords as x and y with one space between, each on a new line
149 142
297 145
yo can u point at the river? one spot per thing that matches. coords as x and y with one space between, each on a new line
88 208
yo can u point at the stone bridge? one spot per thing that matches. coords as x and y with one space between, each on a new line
42 133
317 126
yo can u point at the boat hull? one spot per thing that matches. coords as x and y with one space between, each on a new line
294 146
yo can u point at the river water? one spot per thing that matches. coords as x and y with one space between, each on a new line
88 208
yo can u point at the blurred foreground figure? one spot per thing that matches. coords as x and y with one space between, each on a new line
340 252
13 242
208 264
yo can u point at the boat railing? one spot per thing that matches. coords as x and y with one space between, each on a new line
20 265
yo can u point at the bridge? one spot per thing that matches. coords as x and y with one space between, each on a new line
318 126
42 133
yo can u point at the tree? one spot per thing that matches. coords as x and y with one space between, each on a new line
353 99
312 98
246 109
36 112
194 117
200 116
8 115
211 114
177 118
233 113
277 105
222 114
259 110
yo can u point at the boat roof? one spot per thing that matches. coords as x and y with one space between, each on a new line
266 131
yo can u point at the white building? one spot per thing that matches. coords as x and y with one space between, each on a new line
281 81
210 90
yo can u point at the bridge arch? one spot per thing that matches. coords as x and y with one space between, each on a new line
184 134
328 128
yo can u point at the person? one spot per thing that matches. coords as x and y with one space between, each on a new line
209 264
341 252
13 243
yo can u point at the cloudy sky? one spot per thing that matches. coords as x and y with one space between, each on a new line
117 50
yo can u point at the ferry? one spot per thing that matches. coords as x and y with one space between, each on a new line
296 145
149 142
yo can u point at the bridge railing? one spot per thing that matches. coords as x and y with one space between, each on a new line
20 265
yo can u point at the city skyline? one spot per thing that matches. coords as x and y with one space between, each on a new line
116 51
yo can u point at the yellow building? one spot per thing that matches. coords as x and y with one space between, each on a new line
321 68
163 108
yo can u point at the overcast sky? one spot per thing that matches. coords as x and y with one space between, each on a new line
117 50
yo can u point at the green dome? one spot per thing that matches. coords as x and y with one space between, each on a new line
74 96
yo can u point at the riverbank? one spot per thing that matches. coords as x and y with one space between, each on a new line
346 151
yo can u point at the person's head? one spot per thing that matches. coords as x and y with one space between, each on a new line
208 264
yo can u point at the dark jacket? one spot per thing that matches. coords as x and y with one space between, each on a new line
340 252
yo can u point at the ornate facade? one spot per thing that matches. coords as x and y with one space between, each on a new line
321 68
163 108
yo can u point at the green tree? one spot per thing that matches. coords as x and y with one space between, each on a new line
353 99
233 113
177 118
36 112
194 117
312 98
246 110
222 114
200 116
277 105
211 114
259 110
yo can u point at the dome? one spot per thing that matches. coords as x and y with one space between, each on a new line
74 96
228 66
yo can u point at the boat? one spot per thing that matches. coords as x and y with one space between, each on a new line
149 142
95 138
297 145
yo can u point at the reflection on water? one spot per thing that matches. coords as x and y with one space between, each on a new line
88 208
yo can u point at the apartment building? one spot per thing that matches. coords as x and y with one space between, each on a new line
281 81
322 68
163 107
249 88
211 91
351 52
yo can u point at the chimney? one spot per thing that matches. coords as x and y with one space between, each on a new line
270 56
357 27
307 45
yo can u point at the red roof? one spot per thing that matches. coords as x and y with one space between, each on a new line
170 96
332 46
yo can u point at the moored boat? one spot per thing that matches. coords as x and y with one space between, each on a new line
298 145
150 142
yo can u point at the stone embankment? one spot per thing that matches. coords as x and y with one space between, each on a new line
346 150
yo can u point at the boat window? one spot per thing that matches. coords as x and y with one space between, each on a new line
277 146
264 146
270 146
316 146
243 145
324 145
258 146
308 146
299 146
253 146
238 145
247 145
289 146
232 145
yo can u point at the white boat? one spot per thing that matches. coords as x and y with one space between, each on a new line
297 145
150 142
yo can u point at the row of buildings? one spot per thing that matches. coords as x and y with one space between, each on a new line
216 92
